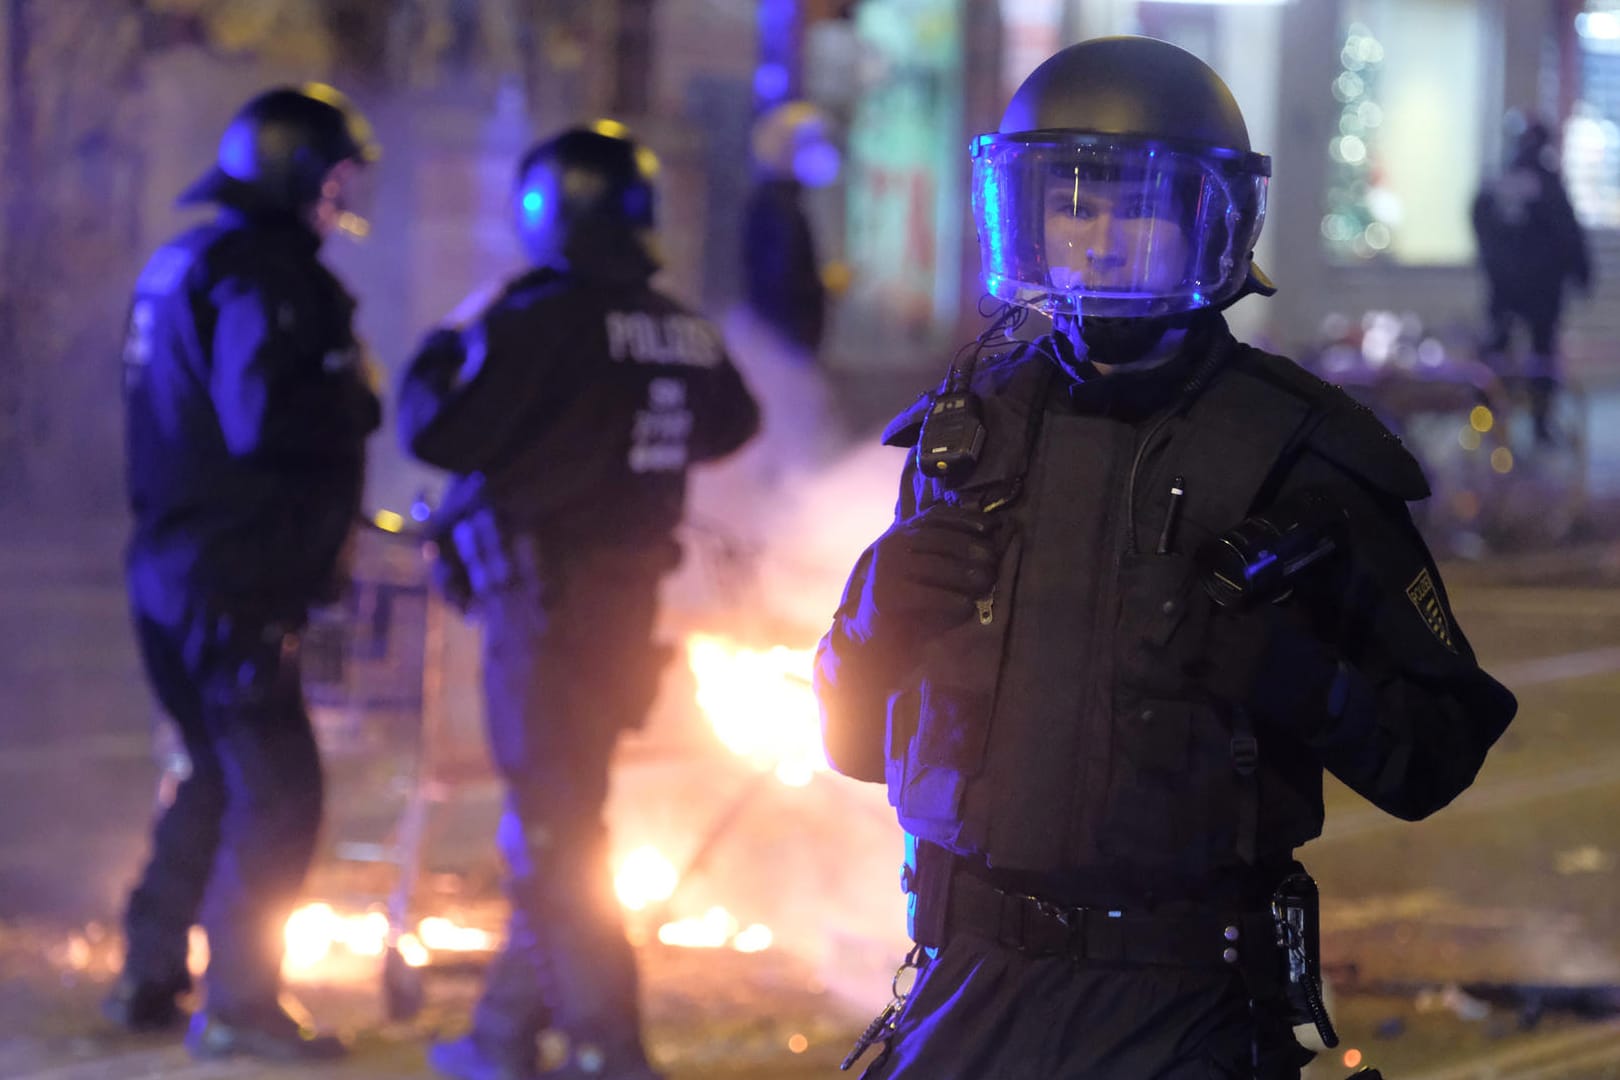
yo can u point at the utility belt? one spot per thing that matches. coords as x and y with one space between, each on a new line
1244 941
1273 948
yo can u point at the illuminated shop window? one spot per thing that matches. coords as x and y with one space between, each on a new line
1592 130
1408 117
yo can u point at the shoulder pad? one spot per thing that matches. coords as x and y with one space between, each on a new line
166 270
1357 441
904 429
1348 433
991 375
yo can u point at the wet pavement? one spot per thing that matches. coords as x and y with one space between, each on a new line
1514 885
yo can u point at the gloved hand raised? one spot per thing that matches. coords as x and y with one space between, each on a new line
927 571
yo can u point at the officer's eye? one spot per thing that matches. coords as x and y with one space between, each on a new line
1065 205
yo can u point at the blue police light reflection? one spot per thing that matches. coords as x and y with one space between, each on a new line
771 82
236 152
534 204
990 226
816 164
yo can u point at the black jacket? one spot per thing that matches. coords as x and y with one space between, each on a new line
779 261
1074 736
247 411
1530 242
573 406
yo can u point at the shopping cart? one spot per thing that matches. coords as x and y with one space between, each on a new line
375 677
392 679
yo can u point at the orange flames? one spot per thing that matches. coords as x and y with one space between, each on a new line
317 930
761 707
760 704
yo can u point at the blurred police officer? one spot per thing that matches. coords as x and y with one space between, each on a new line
569 409
1532 249
248 405
1103 774
792 150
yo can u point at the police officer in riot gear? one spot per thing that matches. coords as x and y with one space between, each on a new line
1103 774
248 402
569 411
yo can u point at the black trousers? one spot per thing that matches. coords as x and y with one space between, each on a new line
982 1011
567 667
1540 312
232 849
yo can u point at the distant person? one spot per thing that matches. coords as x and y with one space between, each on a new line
777 330
570 410
792 150
1530 247
248 401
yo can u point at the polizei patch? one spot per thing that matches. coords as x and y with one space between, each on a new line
1426 599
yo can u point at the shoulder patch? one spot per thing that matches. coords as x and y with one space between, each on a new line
1426 598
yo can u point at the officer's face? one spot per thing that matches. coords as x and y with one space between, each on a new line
1114 236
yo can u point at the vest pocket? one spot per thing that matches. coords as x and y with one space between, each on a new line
938 729
1147 813
1163 620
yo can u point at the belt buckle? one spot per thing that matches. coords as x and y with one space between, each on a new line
1072 919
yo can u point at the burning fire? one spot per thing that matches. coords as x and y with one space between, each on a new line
715 929
645 877
316 929
760 704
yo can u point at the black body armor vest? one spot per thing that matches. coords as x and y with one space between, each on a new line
1060 732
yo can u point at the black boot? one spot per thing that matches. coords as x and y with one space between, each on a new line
267 1033
137 1004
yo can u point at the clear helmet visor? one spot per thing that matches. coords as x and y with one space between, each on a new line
1092 226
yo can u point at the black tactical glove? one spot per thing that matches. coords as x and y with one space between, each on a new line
927 572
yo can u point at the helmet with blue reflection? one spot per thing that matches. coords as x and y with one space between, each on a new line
584 190
1120 184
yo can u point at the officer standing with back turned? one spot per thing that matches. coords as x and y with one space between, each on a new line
569 409
1143 585
248 403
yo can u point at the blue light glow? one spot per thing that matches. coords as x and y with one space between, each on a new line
534 204
236 151
771 82
991 230
816 164
1260 565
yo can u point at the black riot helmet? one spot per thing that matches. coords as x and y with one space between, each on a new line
1528 137
1120 183
280 146
584 200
